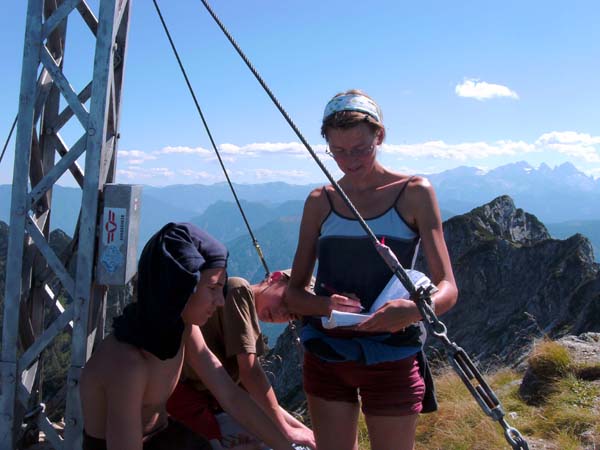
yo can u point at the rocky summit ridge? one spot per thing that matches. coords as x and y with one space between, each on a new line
516 283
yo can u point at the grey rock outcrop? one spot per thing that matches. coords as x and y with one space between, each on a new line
584 362
497 220
584 349
516 283
283 365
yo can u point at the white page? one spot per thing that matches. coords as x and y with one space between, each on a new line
395 289
343 319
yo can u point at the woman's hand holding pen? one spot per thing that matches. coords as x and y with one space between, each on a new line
394 316
344 301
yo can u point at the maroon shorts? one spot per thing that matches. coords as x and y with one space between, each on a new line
386 389
195 409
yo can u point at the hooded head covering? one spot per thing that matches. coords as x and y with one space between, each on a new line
168 272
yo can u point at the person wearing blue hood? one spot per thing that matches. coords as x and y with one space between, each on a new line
131 374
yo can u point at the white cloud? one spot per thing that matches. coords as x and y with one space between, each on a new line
202 175
571 143
594 173
261 147
579 146
129 174
270 174
269 148
183 149
131 153
230 153
135 157
272 161
225 159
462 152
138 173
481 90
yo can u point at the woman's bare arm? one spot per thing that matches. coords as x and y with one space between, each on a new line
298 300
429 222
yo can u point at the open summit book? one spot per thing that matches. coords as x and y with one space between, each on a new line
392 291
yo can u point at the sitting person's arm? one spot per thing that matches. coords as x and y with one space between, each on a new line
256 383
124 399
231 397
300 427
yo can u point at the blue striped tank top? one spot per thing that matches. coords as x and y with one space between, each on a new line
348 262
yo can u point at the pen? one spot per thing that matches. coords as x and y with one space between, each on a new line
332 291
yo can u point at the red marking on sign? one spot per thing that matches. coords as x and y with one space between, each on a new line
110 227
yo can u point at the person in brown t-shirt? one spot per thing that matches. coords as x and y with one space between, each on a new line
233 334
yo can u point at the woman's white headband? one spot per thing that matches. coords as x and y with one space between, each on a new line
352 102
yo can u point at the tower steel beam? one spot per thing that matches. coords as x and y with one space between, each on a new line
35 274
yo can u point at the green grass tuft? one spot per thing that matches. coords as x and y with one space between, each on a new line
550 360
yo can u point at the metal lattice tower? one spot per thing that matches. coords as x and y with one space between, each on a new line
33 315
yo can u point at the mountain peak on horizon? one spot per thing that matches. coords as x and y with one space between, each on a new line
500 218
567 168
519 166
462 170
544 168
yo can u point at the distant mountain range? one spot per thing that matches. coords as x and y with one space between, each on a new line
178 201
554 195
257 214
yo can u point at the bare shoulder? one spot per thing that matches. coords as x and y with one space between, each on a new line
419 181
416 188
420 188
397 180
319 194
317 204
114 360
422 203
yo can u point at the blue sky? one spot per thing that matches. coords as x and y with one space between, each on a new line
460 83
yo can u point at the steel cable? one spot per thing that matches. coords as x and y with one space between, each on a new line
12 128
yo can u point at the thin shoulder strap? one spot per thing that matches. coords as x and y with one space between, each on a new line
403 189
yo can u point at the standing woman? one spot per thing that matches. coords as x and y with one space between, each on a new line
382 358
